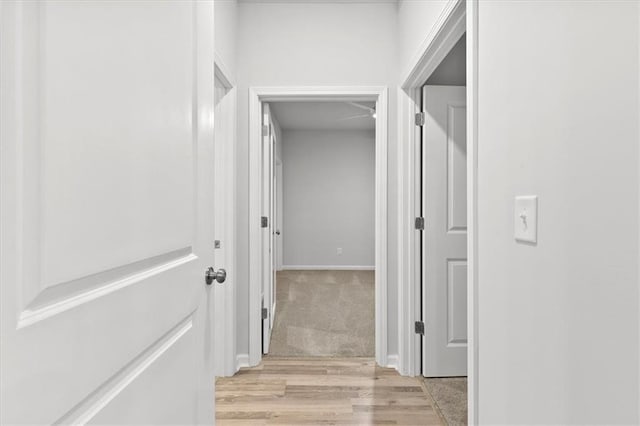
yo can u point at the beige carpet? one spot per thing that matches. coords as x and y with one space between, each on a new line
324 313
450 397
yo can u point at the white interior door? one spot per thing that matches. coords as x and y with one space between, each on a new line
106 117
445 236
279 215
268 282
274 231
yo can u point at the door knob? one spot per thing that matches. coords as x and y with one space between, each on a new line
211 274
277 232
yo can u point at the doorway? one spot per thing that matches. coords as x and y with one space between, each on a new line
443 193
457 26
258 274
444 202
321 298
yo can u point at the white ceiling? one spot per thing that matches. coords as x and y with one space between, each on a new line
322 116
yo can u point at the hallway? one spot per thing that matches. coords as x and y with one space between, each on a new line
303 391
450 187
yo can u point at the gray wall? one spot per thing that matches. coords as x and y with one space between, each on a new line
329 195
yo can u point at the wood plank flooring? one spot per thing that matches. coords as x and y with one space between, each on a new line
321 391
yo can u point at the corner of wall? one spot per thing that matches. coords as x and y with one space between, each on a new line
242 360
392 361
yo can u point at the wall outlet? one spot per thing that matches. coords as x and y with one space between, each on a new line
339 251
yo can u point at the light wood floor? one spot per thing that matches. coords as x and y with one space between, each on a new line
312 391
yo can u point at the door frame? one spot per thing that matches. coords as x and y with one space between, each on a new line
457 17
258 95
226 293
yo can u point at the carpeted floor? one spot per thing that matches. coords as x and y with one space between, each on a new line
450 396
324 313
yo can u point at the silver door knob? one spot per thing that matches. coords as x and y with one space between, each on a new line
211 274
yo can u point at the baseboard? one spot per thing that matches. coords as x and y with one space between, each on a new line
242 360
392 361
327 268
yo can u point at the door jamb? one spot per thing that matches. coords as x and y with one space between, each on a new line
257 95
223 72
458 17
227 306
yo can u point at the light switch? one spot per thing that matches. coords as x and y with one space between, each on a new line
525 219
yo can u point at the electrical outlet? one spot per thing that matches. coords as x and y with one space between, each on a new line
339 251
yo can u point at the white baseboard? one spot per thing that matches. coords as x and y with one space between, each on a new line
392 361
327 268
242 360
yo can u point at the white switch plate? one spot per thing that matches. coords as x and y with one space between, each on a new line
525 220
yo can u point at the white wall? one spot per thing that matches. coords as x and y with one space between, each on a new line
226 23
329 196
558 117
416 19
290 44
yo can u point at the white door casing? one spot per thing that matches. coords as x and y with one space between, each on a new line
446 32
225 154
457 18
106 137
445 236
259 95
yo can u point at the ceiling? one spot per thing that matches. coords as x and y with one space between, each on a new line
318 1
322 116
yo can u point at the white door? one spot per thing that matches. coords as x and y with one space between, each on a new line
279 214
445 236
106 117
274 231
268 281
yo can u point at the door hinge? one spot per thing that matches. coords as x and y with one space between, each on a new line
265 313
265 130
264 222
420 119
420 223
419 327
